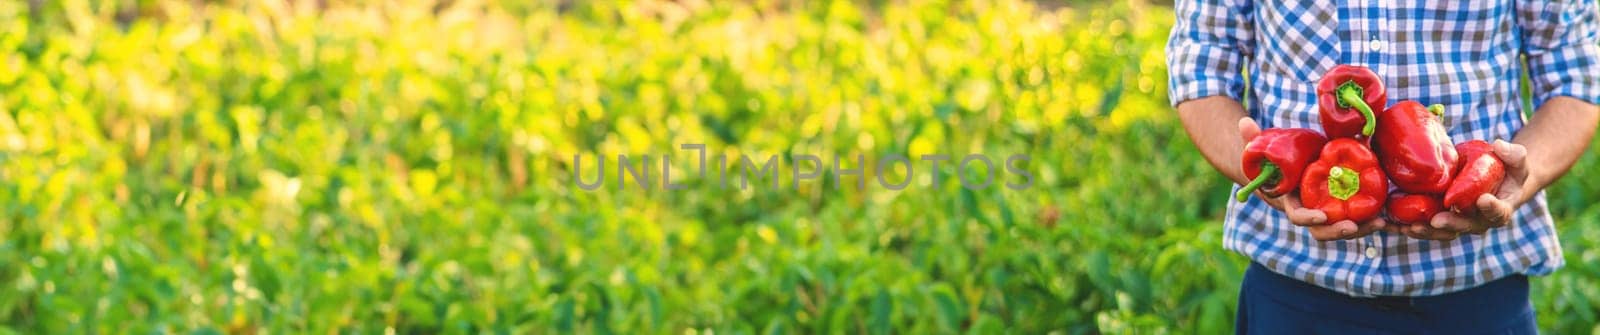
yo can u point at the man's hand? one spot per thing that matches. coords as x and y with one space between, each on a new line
1494 210
1557 134
1313 220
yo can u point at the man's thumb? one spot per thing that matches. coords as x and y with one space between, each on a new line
1248 129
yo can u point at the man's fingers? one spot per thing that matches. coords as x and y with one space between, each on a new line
1424 232
1452 222
1271 201
1493 211
1514 155
1336 231
1304 216
1508 190
1290 205
1367 228
1248 129
1300 215
1346 229
1291 201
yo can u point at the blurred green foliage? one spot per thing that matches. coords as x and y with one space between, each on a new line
313 167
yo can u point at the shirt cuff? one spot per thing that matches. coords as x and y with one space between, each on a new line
1570 71
1582 91
1181 90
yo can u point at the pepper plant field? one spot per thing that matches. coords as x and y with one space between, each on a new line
367 166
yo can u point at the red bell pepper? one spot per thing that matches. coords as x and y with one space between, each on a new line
1346 183
1481 173
1414 208
1348 96
1413 148
1275 160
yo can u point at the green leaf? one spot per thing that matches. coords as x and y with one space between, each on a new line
950 308
881 307
564 315
987 324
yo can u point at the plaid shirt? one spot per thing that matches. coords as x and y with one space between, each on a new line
1463 54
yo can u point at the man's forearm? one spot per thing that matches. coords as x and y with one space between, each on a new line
1555 137
1213 125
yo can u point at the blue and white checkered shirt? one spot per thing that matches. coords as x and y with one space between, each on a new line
1466 55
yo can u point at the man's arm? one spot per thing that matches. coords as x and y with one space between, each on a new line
1206 54
1207 121
1541 153
1213 124
1562 50
1555 137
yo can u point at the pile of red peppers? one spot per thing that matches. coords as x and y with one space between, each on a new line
1346 170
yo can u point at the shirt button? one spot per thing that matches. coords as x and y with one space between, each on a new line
1372 252
1375 45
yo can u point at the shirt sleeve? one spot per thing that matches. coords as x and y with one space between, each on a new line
1208 48
1561 47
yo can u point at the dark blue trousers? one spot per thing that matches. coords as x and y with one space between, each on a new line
1270 303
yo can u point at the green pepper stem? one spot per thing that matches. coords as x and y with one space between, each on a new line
1350 95
1437 110
1343 182
1269 172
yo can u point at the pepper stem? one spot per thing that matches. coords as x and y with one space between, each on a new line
1343 182
1350 95
1437 110
1269 173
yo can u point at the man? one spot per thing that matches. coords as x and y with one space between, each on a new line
1459 274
